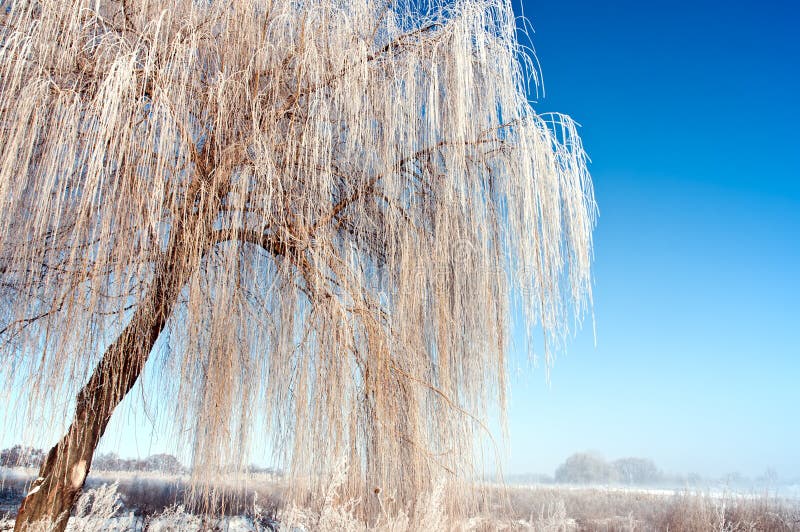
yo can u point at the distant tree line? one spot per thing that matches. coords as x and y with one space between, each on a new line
590 468
22 456
163 463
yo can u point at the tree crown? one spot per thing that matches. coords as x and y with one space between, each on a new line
346 195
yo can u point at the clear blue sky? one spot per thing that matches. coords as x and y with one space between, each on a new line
690 115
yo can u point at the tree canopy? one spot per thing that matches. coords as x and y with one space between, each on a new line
324 209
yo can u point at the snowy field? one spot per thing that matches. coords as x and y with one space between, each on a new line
147 502
788 492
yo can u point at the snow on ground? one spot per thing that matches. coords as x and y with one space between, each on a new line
540 507
719 491
130 523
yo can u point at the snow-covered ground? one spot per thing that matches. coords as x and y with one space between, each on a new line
780 491
130 523
543 507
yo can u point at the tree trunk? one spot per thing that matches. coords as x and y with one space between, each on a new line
64 470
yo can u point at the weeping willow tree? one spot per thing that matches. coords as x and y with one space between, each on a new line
312 216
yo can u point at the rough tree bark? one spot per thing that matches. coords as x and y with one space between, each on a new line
63 473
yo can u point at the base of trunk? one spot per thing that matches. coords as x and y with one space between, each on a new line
52 495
